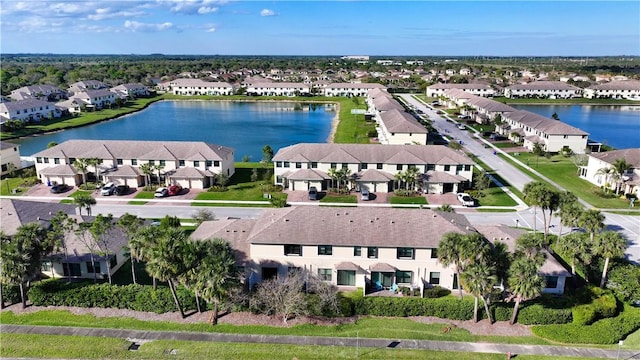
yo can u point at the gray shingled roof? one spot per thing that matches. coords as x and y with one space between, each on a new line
544 124
25 104
397 121
374 175
373 153
308 174
15 213
631 156
544 85
7 145
234 231
618 85
383 227
129 149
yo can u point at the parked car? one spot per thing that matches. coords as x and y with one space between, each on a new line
313 193
365 195
108 189
466 199
174 190
464 117
59 188
461 126
161 192
121 190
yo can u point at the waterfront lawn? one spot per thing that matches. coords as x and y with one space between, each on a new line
402 200
83 119
352 128
576 101
63 346
564 172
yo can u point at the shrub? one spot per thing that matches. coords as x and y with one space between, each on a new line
624 280
446 308
532 313
605 331
436 292
218 188
599 304
132 297
10 294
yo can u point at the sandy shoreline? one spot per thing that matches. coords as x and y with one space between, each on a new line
334 124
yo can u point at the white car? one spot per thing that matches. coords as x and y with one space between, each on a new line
161 192
108 189
466 199
365 195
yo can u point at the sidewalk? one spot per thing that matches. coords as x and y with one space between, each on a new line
137 335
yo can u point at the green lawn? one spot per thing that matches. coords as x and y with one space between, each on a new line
144 195
402 200
352 129
565 173
494 196
62 346
8 185
576 101
342 199
241 188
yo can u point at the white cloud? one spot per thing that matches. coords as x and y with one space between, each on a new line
207 10
267 12
212 29
192 6
107 13
145 27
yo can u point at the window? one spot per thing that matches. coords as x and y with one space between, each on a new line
46 266
279 179
459 168
357 251
113 261
399 167
4 167
379 166
364 166
345 165
208 163
72 160
278 164
134 162
404 253
119 161
403 277
46 160
325 250
434 253
180 162
447 167
293 250
152 162
314 165
372 252
434 278
39 160
286 164
163 163
334 165
551 282
216 162
56 161
196 163
298 165
467 168
347 277
91 269
325 274
71 269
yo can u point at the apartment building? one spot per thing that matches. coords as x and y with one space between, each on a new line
625 89
479 89
630 181
9 154
543 90
190 87
28 110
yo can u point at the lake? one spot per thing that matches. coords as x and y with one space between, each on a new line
617 126
243 126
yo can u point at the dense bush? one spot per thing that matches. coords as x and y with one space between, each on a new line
594 303
446 307
624 280
10 294
133 297
605 331
532 313
436 292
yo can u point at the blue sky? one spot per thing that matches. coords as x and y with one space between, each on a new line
225 27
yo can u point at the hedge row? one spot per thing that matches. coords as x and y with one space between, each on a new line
604 306
10 294
605 331
532 314
446 308
132 297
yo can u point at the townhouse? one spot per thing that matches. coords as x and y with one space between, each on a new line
372 167
480 89
72 259
41 92
9 154
85 85
357 247
481 109
349 89
278 89
96 99
543 90
399 127
125 91
192 87
625 89
28 110
186 163
630 180
553 135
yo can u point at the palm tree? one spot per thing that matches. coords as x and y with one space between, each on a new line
130 224
530 246
147 170
94 161
100 230
459 250
158 168
573 246
61 224
334 174
411 176
166 262
620 166
592 221
533 195
142 242
569 213
607 172
524 283
478 279
82 165
609 244
549 201
85 201
216 275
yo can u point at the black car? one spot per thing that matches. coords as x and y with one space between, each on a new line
59 188
121 190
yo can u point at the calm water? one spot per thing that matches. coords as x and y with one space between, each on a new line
244 126
617 126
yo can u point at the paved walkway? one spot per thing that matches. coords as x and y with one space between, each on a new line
138 335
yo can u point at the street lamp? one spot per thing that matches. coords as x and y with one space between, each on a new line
619 346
